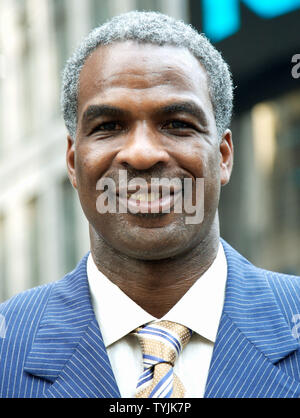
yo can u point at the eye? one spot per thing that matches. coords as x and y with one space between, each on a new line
178 124
107 127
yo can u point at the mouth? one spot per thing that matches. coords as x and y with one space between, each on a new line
149 201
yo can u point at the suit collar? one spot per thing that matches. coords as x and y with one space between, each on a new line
68 349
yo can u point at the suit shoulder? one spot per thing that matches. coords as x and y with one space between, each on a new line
36 296
286 289
281 279
25 306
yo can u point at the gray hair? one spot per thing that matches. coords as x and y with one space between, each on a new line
158 29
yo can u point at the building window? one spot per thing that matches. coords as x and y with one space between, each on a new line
148 5
260 206
100 11
3 278
69 226
26 67
34 244
60 29
285 175
2 80
1 118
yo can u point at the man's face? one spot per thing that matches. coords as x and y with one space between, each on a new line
146 109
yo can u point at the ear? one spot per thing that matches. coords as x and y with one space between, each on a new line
70 158
226 153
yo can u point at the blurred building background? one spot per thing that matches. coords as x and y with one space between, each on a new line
43 232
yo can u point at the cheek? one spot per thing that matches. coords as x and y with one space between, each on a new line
204 163
90 164
200 160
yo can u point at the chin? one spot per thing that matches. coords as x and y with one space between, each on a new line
154 245
159 240
153 254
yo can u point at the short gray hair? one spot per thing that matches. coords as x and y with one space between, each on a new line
158 29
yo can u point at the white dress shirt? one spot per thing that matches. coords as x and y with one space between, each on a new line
199 309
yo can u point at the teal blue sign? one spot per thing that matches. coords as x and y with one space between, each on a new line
221 18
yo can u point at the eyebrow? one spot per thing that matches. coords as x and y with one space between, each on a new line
96 111
185 107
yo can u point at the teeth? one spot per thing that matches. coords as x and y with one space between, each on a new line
144 197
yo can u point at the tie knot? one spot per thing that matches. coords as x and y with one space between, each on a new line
162 341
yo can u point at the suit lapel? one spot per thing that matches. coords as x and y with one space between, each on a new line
68 349
88 373
253 336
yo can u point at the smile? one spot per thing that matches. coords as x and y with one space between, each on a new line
149 202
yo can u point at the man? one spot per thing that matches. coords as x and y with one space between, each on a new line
147 97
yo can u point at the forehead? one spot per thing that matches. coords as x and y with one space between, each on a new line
146 69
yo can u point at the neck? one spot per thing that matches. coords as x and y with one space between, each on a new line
157 285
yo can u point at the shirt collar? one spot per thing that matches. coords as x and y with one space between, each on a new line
199 309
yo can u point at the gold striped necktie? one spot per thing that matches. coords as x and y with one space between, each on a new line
161 344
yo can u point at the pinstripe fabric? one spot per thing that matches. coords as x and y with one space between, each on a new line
255 340
53 346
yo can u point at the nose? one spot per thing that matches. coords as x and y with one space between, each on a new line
143 149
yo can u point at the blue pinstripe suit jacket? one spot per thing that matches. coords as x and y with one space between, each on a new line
53 347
